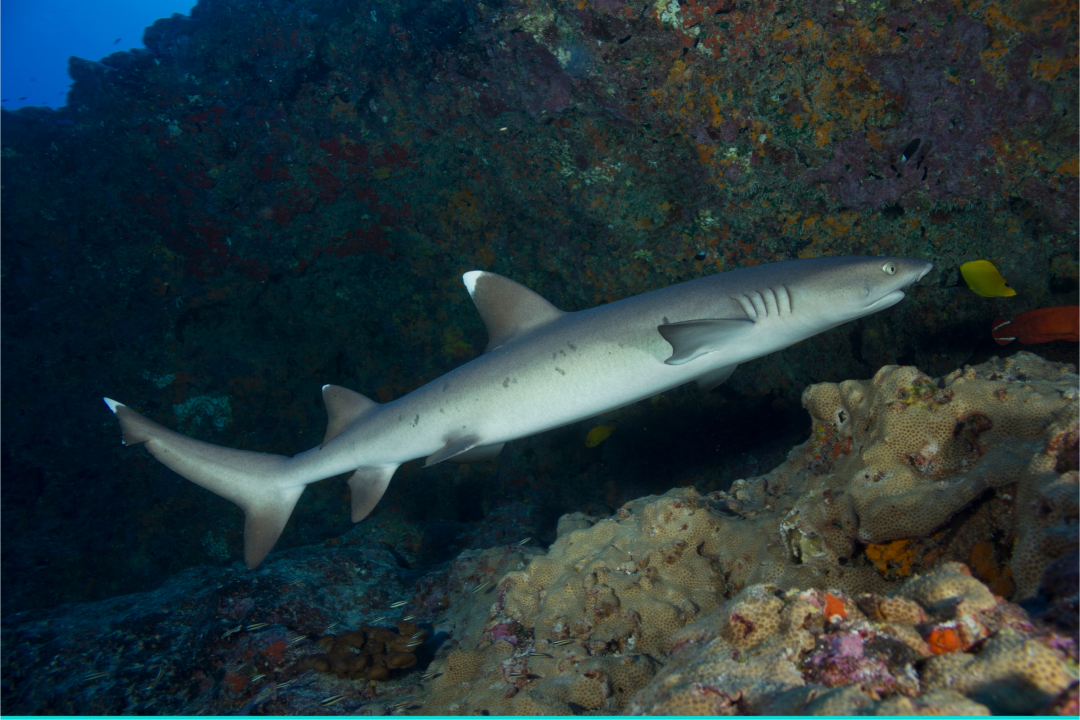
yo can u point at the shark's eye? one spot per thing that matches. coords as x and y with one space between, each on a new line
889 268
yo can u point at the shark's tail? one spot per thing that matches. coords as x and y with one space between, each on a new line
261 484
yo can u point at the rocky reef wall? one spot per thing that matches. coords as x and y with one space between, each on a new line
274 195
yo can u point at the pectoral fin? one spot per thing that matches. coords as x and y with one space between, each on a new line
694 338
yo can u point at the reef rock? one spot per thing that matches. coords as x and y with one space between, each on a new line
808 652
904 471
797 591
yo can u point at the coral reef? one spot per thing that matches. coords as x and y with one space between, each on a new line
799 660
897 457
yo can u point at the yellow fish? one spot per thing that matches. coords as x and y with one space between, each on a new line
598 435
984 279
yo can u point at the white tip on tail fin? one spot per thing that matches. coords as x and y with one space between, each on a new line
259 483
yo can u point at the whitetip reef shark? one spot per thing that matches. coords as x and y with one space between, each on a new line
542 368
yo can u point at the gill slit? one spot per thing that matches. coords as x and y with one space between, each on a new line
773 302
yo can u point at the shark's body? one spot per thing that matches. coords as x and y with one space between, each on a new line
543 368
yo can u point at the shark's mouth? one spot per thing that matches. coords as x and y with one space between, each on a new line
885 301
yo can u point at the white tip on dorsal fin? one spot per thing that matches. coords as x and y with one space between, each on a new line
508 308
342 407
113 404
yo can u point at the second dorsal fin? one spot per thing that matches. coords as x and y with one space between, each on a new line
342 407
508 308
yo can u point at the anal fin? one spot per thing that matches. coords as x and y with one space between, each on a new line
367 486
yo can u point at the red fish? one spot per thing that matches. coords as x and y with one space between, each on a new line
1039 326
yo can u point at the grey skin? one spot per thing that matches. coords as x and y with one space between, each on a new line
543 368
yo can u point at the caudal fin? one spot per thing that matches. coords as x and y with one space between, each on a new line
258 483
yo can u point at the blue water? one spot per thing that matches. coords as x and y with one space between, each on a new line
38 36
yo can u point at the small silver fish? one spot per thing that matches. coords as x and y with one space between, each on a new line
151 686
399 603
332 700
480 587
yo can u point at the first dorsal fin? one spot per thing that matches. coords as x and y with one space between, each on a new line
508 308
342 407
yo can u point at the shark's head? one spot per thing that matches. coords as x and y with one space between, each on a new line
847 288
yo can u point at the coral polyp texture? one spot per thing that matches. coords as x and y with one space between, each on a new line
904 471
899 457
803 658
